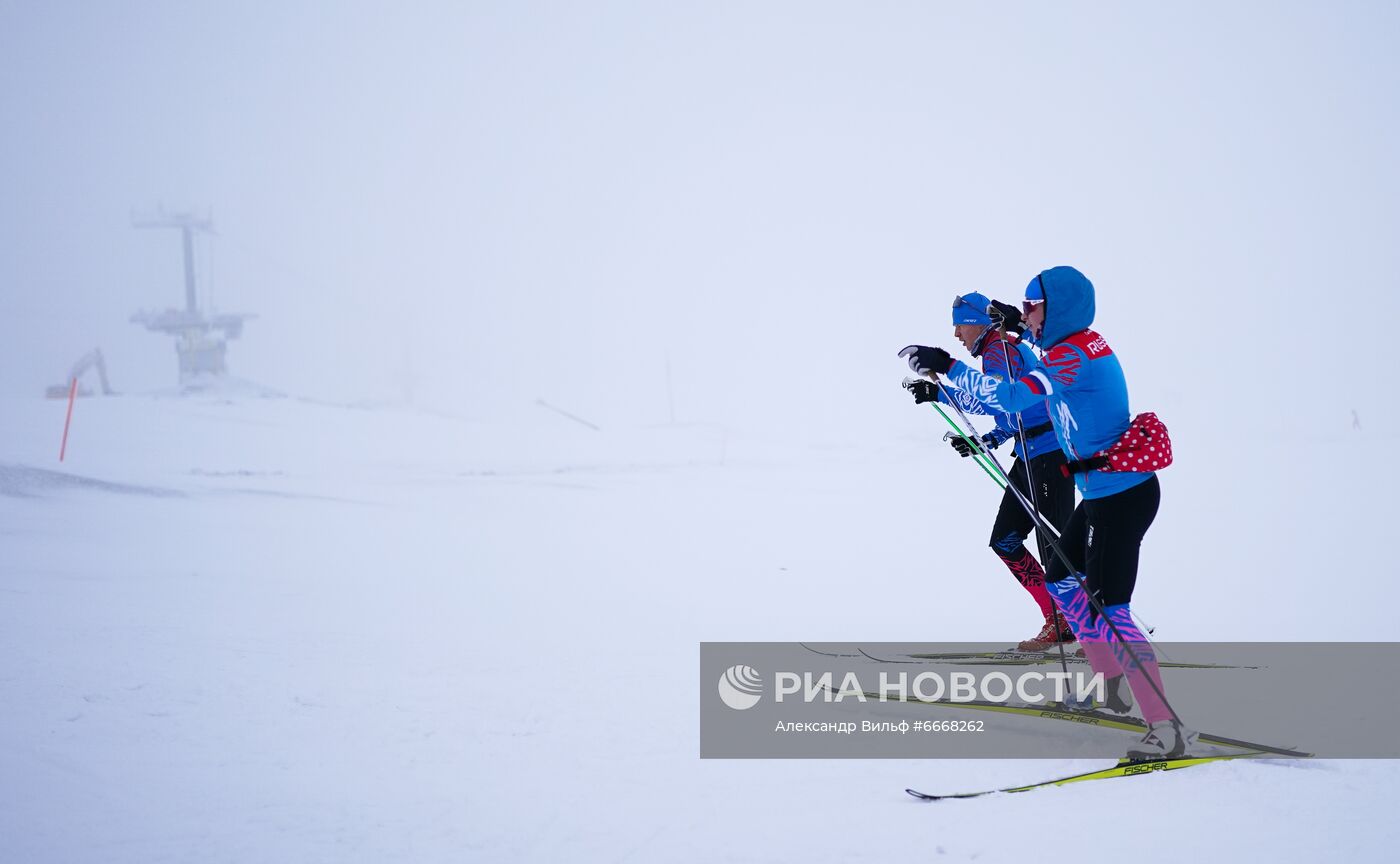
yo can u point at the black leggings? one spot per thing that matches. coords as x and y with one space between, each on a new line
1103 538
1054 497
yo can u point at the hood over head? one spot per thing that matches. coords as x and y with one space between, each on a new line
1069 303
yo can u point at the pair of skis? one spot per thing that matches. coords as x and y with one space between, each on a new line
1103 719
1124 768
1009 657
1023 658
1055 711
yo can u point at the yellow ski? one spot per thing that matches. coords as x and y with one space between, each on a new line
1124 768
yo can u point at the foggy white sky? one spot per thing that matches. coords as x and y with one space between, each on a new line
516 200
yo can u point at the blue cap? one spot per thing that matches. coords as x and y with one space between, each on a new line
971 309
1035 290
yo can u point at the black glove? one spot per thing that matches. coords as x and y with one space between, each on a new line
988 441
1006 317
923 359
923 390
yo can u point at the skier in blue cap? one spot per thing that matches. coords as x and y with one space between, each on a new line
1081 382
1036 472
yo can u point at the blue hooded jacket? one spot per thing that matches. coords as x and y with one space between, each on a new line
1079 380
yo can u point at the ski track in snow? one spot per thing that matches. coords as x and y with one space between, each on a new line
278 630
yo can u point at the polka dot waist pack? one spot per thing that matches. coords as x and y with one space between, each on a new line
1146 446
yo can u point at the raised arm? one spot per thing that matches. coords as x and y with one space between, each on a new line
1058 371
948 394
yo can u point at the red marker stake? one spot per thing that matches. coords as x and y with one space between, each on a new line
72 393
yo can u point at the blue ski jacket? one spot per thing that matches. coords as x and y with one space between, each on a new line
1079 380
995 357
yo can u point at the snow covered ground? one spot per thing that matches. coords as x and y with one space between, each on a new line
275 630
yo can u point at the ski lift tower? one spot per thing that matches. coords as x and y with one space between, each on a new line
200 340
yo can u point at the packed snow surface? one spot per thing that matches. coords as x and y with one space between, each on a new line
269 629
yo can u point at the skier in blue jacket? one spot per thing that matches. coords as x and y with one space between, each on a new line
1035 474
1081 382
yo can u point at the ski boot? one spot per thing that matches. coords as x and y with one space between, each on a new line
1076 703
1165 739
1118 696
1055 632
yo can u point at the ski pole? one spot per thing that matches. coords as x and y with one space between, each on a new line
983 456
1030 487
948 436
988 461
977 456
908 384
1083 585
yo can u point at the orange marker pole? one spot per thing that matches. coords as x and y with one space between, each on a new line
72 394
